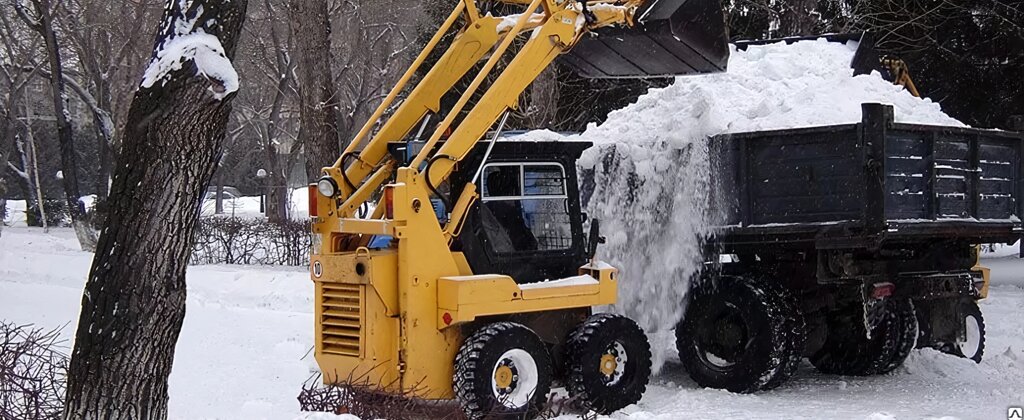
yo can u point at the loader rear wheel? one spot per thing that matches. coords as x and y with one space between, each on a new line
849 351
503 369
735 335
608 363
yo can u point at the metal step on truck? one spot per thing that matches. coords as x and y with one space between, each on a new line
849 245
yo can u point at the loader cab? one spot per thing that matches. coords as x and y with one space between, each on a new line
528 223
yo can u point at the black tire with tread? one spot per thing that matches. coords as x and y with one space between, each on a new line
770 354
795 331
474 370
586 345
848 350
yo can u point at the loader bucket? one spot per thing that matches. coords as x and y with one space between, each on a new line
671 38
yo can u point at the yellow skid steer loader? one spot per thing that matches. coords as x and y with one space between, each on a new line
471 277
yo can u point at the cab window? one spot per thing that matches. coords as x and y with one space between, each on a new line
525 207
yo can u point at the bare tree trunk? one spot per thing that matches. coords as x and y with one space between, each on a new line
134 300
318 102
3 183
218 203
43 24
28 175
4 133
31 165
277 177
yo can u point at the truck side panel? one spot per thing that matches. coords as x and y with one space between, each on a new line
874 179
793 176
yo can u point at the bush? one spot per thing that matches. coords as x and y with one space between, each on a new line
96 214
231 240
364 399
33 370
56 214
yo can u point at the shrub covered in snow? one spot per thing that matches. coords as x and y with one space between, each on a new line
56 214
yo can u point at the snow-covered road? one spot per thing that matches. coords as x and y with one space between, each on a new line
242 348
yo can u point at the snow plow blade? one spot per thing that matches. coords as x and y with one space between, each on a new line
671 38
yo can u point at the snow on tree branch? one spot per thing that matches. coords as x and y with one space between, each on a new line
189 35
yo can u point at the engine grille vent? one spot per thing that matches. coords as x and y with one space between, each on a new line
341 320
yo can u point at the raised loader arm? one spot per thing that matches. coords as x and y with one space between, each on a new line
558 27
555 27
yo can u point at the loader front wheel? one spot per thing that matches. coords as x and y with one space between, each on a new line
608 363
503 369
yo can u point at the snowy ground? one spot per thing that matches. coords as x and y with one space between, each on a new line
243 348
246 332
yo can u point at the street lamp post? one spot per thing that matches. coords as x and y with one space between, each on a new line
262 175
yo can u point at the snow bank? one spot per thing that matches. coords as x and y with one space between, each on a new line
649 169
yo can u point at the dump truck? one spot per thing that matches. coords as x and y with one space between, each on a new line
472 278
849 245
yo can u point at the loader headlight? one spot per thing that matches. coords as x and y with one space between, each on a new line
327 186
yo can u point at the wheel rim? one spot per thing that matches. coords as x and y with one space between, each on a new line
514 378
969 347
723 337
613 363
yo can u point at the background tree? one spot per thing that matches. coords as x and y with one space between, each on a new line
967 55
263 110
105 41
41 21
318 100
134 301
19 51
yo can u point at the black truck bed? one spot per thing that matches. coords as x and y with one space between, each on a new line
861 185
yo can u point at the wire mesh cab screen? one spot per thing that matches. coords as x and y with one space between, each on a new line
526 206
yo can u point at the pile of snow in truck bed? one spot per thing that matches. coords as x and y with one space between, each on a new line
649 169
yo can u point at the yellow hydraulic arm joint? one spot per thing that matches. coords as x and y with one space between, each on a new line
901 74
556 24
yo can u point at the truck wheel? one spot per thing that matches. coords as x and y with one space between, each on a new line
973 347
734 335
848 350
503 369
608 363
795 331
